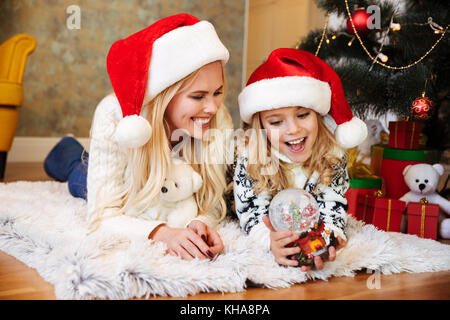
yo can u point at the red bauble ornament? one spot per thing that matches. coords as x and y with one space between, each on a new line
360 18
422 108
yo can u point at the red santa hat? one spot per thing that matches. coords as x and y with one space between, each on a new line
149 61
292 77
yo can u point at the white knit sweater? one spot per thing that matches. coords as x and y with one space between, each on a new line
107 172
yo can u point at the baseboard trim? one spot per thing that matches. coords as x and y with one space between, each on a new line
35 149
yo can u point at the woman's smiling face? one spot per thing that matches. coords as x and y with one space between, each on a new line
193 107
292 131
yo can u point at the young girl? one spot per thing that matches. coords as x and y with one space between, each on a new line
167 77
289 145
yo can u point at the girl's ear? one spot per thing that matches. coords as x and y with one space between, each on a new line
197 181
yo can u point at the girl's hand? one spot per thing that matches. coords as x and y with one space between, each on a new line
278 242
209 236
183 242
331 255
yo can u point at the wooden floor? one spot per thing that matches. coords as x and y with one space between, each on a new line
19 282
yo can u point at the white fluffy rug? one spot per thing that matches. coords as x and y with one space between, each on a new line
41 224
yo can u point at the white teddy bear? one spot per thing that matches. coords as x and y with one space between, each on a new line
423 179
374 128
177 204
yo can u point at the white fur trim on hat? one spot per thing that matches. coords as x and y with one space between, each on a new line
351 133
133 132
281 92
180 52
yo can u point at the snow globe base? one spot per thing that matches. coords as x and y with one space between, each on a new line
313 243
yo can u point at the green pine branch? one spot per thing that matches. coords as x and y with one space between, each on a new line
372 87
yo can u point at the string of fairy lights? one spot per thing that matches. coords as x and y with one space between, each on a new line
422 107
380 58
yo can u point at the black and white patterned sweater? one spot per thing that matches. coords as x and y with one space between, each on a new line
251 207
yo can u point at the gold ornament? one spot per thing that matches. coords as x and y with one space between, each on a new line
378 194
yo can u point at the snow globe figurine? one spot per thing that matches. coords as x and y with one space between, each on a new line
297 210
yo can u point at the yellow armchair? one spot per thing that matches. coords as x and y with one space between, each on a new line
13 57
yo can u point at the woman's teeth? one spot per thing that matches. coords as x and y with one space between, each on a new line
201 122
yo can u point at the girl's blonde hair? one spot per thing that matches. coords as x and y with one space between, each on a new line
148 165
322 160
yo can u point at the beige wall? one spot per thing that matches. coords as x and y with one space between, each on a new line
275 24
65 77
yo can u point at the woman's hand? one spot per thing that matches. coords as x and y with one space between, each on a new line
278 242
184 242
318 262
209 236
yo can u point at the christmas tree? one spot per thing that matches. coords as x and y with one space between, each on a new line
389 54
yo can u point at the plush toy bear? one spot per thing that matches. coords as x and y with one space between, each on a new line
423 179
177 204
374 129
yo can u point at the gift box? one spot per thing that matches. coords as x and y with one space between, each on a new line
393 163
404 134
376 152
388 214
384 213
423 219
360 187
376 158
364 207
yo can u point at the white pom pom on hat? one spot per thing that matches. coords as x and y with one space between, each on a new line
349 134
149 61
292 77
133 131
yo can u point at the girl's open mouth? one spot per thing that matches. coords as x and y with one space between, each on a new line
296 145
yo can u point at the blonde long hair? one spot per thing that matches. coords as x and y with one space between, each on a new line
261 159
148 165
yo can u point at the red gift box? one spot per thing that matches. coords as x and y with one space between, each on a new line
388 213
393 163
364 207
404 134
423 219
357 187
384 213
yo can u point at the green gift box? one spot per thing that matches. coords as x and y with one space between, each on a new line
377 153
365 183
426 155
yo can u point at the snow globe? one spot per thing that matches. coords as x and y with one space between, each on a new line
296 210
